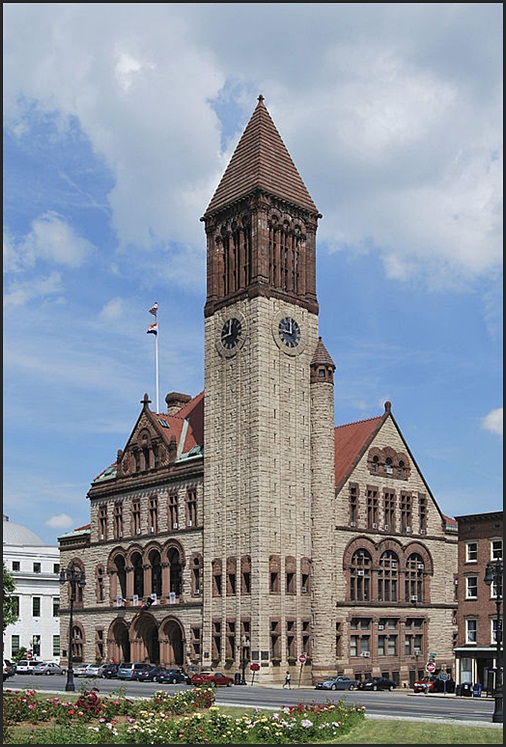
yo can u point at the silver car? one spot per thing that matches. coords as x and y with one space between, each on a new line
81 670
48 667
337 683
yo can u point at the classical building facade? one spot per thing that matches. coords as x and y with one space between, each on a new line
35 568
259 529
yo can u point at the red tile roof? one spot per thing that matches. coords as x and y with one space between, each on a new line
350 442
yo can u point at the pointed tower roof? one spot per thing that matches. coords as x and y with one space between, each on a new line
261 162
321 356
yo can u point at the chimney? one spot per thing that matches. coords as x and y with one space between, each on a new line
175 401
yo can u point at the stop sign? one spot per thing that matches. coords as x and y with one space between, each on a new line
430 667
302 658
254 667
28 655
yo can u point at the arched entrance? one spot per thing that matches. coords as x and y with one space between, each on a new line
144 644
118 643
172 652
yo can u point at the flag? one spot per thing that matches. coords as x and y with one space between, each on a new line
154 309
152 329
145 606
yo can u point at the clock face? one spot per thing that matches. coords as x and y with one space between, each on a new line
289 332
231 333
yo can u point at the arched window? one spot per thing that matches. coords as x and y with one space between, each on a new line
77 639
156 572
138 572
414 576
196 571
119 562
175 570
360 576
100 586
388 577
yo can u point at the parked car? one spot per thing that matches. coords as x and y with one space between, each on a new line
109 671
92 670
9 669
215 679
127 670
378 683
48 667
81 670
148 672
26 666
434 685
337 683
171 677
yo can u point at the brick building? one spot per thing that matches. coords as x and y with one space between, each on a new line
480 542
260 529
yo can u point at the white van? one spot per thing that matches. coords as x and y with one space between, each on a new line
26 666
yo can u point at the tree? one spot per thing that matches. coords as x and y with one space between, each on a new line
10 614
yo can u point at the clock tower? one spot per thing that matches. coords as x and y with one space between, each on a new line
261 339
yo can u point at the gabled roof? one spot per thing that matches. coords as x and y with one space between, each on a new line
183 430
261 162
350 442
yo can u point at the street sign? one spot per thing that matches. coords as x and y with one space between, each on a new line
28 655
432 656
445 676
302 658
430 667
254 667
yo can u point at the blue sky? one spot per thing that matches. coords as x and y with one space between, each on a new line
119 121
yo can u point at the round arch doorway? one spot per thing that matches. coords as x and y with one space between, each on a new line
144 643
172 644
118 648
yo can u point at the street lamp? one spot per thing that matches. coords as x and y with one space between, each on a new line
493 576
245 647
76 578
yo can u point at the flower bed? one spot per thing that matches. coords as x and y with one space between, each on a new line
186 717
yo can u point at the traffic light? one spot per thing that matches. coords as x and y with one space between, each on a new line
147 604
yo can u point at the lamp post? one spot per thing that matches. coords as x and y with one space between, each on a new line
76 578
245 647
493 577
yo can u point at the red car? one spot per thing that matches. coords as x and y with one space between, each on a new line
435 685
215 679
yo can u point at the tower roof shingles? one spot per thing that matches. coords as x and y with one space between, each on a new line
261 162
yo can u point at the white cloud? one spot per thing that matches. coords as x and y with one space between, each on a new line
404 129
61 521
493 422
20 293
113 310
50 240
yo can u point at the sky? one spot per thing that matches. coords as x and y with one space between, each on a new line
119 121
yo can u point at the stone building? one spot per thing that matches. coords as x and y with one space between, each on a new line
259 529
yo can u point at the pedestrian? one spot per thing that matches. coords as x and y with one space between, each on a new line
288 681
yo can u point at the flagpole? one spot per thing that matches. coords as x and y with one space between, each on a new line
153 329
156 367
